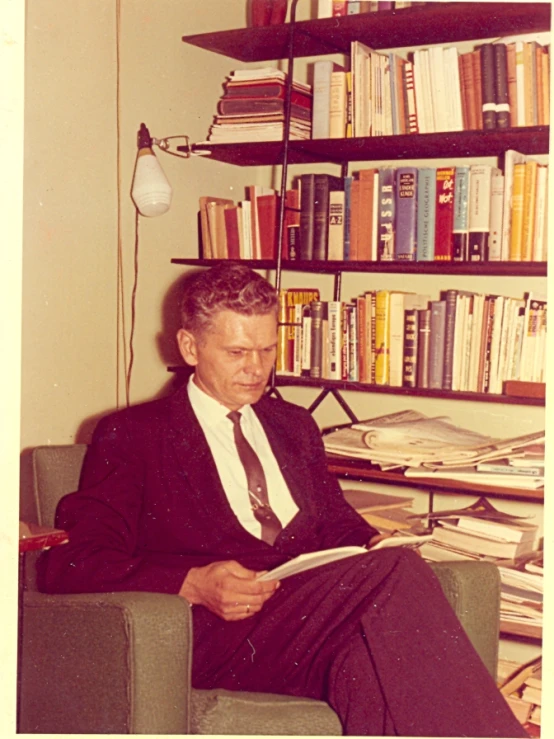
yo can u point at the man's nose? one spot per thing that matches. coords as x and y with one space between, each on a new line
254 363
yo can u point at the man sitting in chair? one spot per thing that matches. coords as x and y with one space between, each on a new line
196 493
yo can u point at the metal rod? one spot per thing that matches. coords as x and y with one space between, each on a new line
344 405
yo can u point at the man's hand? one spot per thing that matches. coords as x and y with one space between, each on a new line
377 538
227 589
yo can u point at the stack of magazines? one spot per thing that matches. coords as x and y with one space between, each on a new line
253 108
436 447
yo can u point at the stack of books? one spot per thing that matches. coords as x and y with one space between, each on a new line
252 108
471 537
521 686
521 607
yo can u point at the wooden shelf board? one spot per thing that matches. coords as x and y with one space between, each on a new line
529 140
358 469
443 23
286 381
283 380
485 269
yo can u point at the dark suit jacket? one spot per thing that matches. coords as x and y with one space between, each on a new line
151 504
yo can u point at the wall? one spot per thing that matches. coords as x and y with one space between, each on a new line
71 222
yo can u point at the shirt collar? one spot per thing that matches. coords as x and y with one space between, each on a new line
209 411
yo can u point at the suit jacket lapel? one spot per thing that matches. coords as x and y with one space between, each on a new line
284 448
195 461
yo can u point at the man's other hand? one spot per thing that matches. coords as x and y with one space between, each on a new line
227 589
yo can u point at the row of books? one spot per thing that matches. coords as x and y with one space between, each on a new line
498 85
252 108
338 8
473 212
464 341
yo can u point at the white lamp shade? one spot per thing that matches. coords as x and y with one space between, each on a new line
151 191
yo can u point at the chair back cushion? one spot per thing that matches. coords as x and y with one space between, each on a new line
56 472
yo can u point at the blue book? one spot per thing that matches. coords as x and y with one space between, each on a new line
347 192
426 193
460 227
385 233
406 214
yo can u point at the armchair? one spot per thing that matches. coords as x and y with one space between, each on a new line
121 662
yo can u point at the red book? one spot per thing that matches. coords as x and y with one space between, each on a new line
444 214
232 232
267 219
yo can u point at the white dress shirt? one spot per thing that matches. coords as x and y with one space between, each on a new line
218 429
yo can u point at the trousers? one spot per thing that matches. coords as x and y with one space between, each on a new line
374 636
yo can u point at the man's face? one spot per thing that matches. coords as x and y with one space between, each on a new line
232 358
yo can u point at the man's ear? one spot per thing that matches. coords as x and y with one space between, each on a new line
187 346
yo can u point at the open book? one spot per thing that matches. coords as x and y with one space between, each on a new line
316 559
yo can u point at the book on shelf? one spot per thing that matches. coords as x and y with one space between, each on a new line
426 207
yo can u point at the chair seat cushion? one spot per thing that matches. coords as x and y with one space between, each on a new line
230 712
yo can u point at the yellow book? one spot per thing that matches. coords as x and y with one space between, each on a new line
528 217
516 224
382 337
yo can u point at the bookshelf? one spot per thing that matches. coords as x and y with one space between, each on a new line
437 23
409 27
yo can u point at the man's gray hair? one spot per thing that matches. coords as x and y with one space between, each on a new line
227 286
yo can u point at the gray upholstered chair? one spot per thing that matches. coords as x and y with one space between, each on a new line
121 662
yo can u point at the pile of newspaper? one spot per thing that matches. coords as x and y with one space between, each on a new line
432 446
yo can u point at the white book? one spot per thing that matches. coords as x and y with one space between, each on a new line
466 349
375 222
508 320
316 559
246 207
496 213
333 313
324 8
306 342
424 103
438 88
512 346
495 343
335 249
360 65
459 339
321 102
386 93
455 87
511 158
337 105
297 356
541 209
520 83
475 349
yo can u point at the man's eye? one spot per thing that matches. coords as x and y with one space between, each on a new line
269 350
236 352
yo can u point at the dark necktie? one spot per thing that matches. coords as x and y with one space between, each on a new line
257 486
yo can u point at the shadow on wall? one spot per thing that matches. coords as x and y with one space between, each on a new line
169 356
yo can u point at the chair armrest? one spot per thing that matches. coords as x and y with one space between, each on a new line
473 590
106 663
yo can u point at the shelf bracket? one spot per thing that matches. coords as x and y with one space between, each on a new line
340 400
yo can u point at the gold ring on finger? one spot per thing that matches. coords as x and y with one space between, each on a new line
247 608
